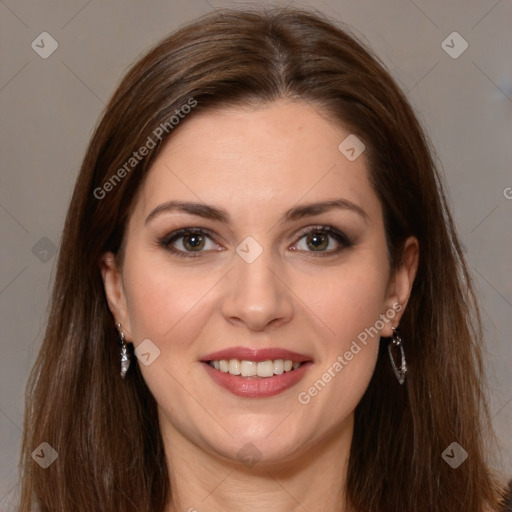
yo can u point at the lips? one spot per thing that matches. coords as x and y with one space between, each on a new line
255 386
250 354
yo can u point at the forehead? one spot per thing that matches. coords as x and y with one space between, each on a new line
257 160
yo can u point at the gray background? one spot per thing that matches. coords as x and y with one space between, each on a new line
50 106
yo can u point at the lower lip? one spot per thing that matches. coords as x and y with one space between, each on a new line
257 387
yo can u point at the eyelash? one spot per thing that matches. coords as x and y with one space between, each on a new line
341 238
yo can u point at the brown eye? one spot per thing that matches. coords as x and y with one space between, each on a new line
322 240
189 242
317 241
193 242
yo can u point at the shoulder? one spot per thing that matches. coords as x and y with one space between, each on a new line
507 504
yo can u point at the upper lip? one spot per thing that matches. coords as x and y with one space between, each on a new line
253 354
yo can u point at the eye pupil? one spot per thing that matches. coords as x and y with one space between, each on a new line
193 242
317 241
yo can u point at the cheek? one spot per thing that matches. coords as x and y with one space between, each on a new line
349 304
348 301
162 302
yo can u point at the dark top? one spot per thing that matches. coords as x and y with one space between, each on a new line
508 501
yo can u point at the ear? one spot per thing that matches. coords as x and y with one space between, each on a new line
114 291
400 285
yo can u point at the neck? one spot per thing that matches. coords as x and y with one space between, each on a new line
314 479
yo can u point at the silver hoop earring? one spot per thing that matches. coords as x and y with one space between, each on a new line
400 371
123 352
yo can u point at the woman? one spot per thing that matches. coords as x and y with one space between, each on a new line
260 301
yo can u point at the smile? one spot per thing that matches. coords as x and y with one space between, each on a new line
256 372
262 369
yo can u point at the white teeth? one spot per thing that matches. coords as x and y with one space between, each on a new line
278 366
248 368
255 369
265 369
234 367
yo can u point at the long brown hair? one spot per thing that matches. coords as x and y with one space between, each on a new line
105 430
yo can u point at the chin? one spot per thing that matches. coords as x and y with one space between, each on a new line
258 446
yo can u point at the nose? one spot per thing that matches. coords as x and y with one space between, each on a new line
257 296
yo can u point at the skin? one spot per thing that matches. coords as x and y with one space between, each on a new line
257 163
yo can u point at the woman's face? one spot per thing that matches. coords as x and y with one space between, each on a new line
255 235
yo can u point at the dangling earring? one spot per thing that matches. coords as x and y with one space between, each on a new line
396 342
123 352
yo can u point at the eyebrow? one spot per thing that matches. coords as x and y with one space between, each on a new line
221 215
